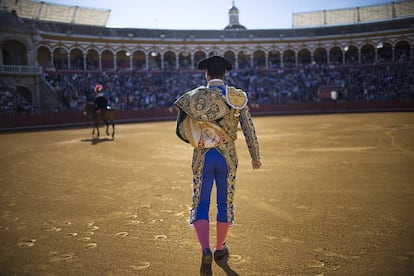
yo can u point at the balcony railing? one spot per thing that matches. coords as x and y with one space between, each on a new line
20 69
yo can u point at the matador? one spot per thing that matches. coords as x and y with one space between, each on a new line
208 118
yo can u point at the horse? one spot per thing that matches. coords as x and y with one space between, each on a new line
105 116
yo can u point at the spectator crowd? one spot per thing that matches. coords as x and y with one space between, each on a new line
12 102
158 89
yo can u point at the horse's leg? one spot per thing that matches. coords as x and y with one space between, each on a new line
97 129
93 128
107 127
98 119
113 129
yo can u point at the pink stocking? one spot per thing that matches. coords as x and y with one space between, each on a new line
222 229
202 228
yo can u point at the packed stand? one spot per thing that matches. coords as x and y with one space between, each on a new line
158 89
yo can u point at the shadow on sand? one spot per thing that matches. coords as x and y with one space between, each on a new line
223 264
97 140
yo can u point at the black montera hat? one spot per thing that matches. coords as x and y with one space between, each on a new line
214 64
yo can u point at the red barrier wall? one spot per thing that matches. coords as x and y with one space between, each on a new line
62 119
333 107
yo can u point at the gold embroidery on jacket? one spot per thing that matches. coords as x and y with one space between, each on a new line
203 104
204 134
236 98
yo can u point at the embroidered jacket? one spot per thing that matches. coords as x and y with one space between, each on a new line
208 118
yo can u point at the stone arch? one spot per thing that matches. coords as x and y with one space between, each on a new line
259 59
402 51
351 54
289 58
107 57
76 59
170 62
92 59
274 58
304 56
320 56
199 55
367 53
230 56
14 52
214 52
43 56
384 52
154 59
335 55
25 93
243 59
184 59
60 58
122 60
139 60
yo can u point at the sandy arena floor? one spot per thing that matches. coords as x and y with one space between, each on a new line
335 196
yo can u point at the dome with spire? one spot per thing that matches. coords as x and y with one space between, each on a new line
234 19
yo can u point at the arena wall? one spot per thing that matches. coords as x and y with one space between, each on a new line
78 119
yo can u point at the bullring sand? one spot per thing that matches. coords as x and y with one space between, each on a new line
335 196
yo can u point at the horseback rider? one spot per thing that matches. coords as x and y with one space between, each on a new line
100 100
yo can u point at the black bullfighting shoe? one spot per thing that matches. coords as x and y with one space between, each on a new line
221 256
206 260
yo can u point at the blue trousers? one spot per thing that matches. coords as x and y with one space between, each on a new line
214 170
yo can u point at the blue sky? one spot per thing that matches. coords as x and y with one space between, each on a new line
209 14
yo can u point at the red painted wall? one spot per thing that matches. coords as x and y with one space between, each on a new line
61 119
